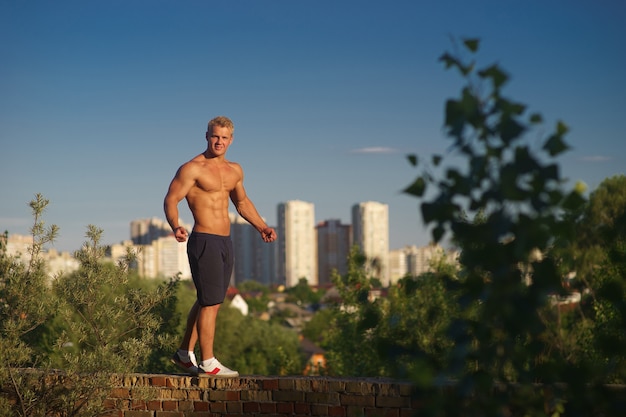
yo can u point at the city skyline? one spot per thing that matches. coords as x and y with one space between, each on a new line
101 102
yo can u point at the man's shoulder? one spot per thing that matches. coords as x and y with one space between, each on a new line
191 166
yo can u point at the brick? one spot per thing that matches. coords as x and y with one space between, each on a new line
120 393
270 384
302 408
138 405
251 407
138 414
217 407
381 412
200 406
319 385
168 414
359 387
319 410
330 398
256 395
393 402
179 394
185 405
158 381
217 395
234 407
169 405
193 395
284 408
336 411
302 384
286 384
165 394
362 400
288 396
268 408
153 405
353 411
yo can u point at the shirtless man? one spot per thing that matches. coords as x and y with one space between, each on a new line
207 182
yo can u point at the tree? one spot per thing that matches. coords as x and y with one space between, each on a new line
100 325
25 305
601 231
254 346
502 340
303 294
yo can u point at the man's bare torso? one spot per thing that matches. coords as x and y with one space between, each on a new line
209 197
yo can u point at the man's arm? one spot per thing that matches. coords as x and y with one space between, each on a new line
178 189
248 211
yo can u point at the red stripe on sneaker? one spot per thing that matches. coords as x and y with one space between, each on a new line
214 371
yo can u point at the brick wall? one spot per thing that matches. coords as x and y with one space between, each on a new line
140 395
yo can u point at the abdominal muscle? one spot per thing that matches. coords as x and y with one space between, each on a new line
210 215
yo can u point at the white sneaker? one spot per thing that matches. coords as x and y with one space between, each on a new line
217 370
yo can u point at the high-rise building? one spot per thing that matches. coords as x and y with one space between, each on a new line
145 231
370 228
297 246
425 258
397 265
333 248
414 261
159 254
254 259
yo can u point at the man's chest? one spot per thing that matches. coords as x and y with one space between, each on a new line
217 179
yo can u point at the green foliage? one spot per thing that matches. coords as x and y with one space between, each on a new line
401 334
25 304
302 294
258 296
317 329
506 338
256 347
110 324
247 344
88 324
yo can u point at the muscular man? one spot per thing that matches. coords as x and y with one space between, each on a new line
207 182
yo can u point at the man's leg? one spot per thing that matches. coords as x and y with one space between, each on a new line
191 331
207 317
185 357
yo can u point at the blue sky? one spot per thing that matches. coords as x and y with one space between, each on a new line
101 101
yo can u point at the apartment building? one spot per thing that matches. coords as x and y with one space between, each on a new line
255 260
333 248
297 245
370 229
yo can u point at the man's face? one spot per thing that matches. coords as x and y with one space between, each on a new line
219 139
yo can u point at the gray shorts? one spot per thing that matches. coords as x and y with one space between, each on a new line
211 262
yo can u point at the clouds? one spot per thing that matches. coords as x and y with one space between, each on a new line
375 150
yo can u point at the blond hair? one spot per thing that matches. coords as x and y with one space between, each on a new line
221 121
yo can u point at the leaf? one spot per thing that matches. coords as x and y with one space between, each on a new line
417 188
438 233
497 76
412 159
555 145
472 44
561 128
510 129
437 160
536 118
